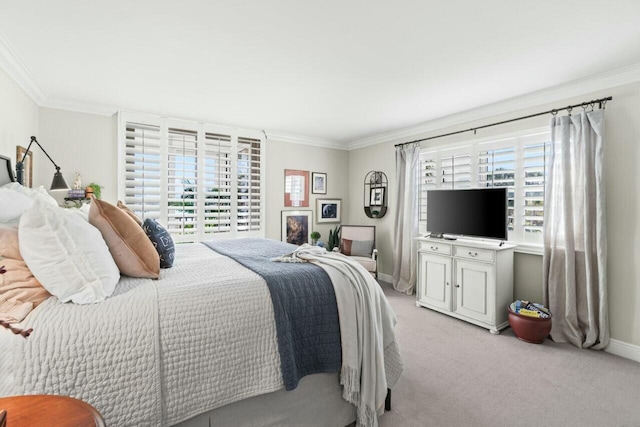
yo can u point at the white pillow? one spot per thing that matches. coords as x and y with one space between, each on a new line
38 193
14 204
67 254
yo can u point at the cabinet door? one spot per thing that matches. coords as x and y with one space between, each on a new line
434 280
475 290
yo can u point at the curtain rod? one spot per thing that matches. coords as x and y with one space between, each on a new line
601 102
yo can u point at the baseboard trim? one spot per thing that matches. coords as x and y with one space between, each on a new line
385 277
624 349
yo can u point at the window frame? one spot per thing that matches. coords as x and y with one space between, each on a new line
236 134
473 147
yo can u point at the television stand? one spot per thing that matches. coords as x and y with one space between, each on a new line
468 280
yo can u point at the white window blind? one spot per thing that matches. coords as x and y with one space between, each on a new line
217 183
142 169
497 168
428 180
518 162
456 171
182 184
535 169
249 195
200 181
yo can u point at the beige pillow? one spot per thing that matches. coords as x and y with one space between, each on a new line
130 247
129 212
20 292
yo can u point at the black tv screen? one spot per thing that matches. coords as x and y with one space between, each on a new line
478 212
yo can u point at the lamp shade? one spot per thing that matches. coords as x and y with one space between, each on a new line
58 182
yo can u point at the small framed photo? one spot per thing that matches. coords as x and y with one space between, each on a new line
318 183
296 188
328 210
377 196
296 227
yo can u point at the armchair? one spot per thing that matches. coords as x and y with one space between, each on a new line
359 242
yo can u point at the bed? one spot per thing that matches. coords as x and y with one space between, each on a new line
203 344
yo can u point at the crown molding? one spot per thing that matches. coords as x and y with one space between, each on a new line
305 140
617 77
80 107
19 72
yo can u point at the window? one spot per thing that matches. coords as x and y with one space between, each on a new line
518 162
201 181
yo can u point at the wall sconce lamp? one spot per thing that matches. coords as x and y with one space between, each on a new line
58 182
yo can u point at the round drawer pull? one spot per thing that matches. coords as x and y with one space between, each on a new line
434 248
473 253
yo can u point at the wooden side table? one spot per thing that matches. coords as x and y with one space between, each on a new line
49 410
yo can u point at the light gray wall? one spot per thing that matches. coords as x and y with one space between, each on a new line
283 155
80 143
19 121
623 201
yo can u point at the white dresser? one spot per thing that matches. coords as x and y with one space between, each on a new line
467 279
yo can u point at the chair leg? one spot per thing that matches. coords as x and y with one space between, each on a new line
387 401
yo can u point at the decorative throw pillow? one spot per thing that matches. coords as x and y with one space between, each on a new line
38 193
356 247
161 240
345 246
129 212
67 254
14 204
20 292
130 247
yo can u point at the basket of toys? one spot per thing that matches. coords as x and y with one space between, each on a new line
531 322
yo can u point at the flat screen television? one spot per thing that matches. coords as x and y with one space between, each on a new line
478 212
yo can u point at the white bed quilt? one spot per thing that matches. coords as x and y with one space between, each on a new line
157 352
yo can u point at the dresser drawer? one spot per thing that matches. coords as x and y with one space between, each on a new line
485 255
436 248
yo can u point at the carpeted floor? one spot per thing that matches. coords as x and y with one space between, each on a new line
458 374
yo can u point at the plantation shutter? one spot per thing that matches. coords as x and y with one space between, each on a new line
249 197
217 183
142 169
536 158
428 179
200 181
456 171
182 184
497 168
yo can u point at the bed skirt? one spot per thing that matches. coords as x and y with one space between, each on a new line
316 401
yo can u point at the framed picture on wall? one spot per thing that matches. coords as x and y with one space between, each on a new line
296 188
377 196
318 183
28 165
328 210
296 227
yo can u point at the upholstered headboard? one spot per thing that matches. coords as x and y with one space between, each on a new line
6 171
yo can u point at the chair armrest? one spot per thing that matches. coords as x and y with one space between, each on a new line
374 255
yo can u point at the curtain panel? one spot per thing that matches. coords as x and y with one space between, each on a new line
406 221
575 238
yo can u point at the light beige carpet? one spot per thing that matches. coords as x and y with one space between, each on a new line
458 374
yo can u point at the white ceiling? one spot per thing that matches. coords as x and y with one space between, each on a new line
331 70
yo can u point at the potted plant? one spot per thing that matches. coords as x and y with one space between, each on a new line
94 189
314 237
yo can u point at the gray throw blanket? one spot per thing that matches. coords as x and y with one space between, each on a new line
304 306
